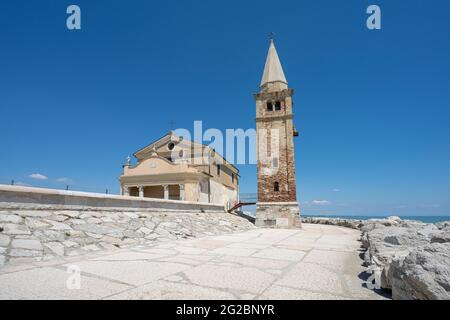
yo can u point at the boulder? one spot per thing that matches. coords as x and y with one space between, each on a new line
4 240
99 229
10 218
440 237
443 225
29 244
372 224
348 223
55 247
423 274
14 229
386 244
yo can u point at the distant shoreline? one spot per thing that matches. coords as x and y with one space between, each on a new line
425 219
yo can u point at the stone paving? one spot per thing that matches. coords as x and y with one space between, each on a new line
316 262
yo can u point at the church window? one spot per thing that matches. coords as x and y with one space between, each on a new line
277 105
171 145
232 178
218 169
269 106
276 186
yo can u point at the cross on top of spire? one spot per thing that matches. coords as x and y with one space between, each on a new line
273 72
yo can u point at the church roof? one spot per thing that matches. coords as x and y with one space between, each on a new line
273 72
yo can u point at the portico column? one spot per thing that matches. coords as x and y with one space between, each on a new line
141 191
126 191
182 194
166 191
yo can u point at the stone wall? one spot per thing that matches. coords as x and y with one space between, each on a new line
42 224
278 215
14 195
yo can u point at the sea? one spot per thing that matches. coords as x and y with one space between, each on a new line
425 219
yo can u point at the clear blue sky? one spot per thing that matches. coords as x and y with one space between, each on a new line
372 107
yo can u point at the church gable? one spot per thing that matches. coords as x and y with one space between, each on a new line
156 146
155 165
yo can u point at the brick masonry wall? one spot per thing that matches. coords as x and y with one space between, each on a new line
282 121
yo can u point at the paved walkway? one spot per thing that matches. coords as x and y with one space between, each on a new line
317 262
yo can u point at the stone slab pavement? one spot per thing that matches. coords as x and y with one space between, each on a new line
315 262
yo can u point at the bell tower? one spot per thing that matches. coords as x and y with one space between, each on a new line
277 205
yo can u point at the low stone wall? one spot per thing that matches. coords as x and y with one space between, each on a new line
42 224
15 196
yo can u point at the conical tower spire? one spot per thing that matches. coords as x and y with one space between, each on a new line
273 72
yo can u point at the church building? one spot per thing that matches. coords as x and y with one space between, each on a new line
174 168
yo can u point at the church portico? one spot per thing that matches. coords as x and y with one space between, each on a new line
156 191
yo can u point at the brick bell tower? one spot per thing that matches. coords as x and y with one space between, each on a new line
277 205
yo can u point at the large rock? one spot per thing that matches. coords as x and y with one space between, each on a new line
29 244
372 224
99 229
4 240
443 225
10 218
441 237
423 274
14 229
388 243
58 225
55 247
25 253
35 223
348 223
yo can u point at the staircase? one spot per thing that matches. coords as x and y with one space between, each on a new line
246 200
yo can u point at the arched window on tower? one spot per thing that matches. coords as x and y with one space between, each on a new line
276 186
277 106
269 106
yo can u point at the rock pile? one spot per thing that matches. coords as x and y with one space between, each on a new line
410 258
41 234
348 223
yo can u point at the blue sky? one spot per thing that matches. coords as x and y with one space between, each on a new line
372 107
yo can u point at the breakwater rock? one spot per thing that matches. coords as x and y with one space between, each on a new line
348 223
409 258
